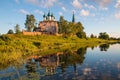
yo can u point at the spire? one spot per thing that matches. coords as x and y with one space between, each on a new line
48 13
73 18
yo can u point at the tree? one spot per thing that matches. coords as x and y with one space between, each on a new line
71 28
81 34
91 36
103 35
17 29
10 31
63 25
30 22
78 27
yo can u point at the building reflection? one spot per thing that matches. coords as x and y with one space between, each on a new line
49 62
61 59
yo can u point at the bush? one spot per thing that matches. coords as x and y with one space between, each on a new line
37 44
5 38
81 34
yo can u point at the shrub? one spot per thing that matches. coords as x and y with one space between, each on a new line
5 38
81 34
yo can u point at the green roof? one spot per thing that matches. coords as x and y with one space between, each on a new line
52 15
44 15
48 13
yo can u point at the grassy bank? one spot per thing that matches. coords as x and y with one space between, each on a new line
10 43
14 48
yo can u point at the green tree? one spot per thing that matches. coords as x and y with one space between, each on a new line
92 36
63 26
71 28
78 27
30 22
103 35
10 31
17 29
81 34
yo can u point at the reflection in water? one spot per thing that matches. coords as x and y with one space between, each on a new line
31 68
104 47
92 47
49 62
71 58
52 61
81 64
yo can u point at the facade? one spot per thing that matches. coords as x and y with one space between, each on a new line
49 25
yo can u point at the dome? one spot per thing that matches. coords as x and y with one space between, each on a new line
52 15
44 15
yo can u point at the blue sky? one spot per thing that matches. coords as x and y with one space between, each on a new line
96 15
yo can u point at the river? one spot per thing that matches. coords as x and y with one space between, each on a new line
87 63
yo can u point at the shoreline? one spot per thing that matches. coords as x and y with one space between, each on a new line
16 48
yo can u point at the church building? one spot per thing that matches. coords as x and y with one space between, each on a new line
49 25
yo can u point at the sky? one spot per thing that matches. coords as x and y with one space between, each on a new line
95 15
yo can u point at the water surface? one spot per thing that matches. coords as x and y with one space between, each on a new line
95 63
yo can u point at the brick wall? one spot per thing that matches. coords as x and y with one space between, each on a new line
31 33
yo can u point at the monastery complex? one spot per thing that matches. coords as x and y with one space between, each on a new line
48 26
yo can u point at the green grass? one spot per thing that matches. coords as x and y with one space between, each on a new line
14 48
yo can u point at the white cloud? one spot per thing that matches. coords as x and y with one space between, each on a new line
60 13
24 11
86 5
117 15
17 1
105 8
43 3
84 12
38 12
92 7
89 6
77 4
50 3
104 3
117 5
63 8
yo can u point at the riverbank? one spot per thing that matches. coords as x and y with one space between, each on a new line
14 48
10 43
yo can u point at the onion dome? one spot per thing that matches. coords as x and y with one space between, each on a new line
52 15
44 15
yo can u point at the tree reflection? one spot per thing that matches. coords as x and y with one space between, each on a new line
71 58
92 47
104 47
81 52
31 67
